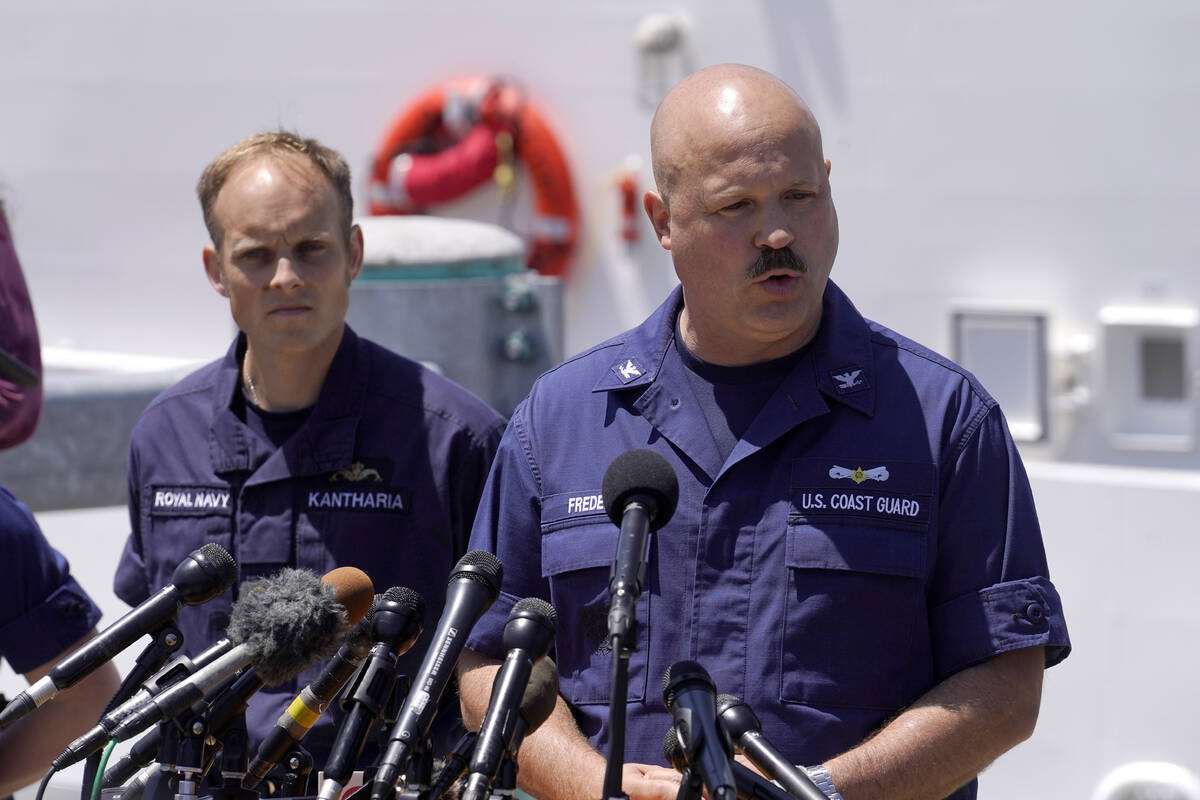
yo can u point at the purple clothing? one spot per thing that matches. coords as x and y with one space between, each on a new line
19 405
871 533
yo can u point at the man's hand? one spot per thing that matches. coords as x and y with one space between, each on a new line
648 782
556 761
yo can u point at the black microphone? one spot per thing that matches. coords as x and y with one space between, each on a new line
278 625
691 697
743 727
640 493
351 590
474 586
750 785
536 706
399 620
204 574
294 723
528 635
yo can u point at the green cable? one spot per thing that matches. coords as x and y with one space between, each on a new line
100 769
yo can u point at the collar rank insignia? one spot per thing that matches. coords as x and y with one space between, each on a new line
356 473
628 370
858 474
849 379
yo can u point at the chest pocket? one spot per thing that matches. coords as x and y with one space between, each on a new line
577 560
855 625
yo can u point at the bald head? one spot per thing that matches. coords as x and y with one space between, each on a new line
719 112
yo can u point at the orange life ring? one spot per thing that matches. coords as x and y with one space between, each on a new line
456 136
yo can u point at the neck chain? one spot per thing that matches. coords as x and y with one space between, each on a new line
250 384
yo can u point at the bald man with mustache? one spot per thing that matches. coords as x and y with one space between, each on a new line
855 551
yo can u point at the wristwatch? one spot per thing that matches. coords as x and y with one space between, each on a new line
820 776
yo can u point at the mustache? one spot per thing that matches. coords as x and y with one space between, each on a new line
770 259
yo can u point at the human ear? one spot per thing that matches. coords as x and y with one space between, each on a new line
212 269
660 217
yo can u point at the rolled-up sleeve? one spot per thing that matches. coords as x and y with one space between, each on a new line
991 591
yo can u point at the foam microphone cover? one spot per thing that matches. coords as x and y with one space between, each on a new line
287 621
640 474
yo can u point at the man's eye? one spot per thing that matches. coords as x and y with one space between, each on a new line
735 206
310 249
800 195
257 254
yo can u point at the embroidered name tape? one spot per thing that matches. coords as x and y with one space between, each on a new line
189 501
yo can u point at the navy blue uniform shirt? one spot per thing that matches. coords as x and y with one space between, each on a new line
871 533
384 475
43 611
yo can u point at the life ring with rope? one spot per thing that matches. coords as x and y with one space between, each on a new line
456 136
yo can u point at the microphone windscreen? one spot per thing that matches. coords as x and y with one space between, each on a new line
286 622
640 472
541 693
353 589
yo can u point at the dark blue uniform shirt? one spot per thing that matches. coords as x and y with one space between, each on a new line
871 533
384 475
43 611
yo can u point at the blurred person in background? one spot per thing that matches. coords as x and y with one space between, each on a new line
44 613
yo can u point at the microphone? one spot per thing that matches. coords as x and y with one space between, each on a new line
399 620
339 592
537 704
294 723
528 635
691 697
472 589
743 727
640 493
750 785
201 576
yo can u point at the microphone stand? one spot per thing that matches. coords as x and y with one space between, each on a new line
167 640
622 629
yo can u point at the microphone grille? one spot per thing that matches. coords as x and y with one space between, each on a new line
538 606
725 701
673 750
481 566
408 598
682 672
220 558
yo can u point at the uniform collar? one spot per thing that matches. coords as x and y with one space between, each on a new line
840 365
326 440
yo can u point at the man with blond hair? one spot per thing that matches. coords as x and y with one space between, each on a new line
855 551
305 446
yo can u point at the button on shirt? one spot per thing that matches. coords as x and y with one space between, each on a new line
871 533
384 475
43 611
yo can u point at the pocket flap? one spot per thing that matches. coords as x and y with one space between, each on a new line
886 551
579 547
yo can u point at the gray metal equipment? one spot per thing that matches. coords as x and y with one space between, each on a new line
455 294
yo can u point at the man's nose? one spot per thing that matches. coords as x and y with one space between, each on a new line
286 275
775 231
